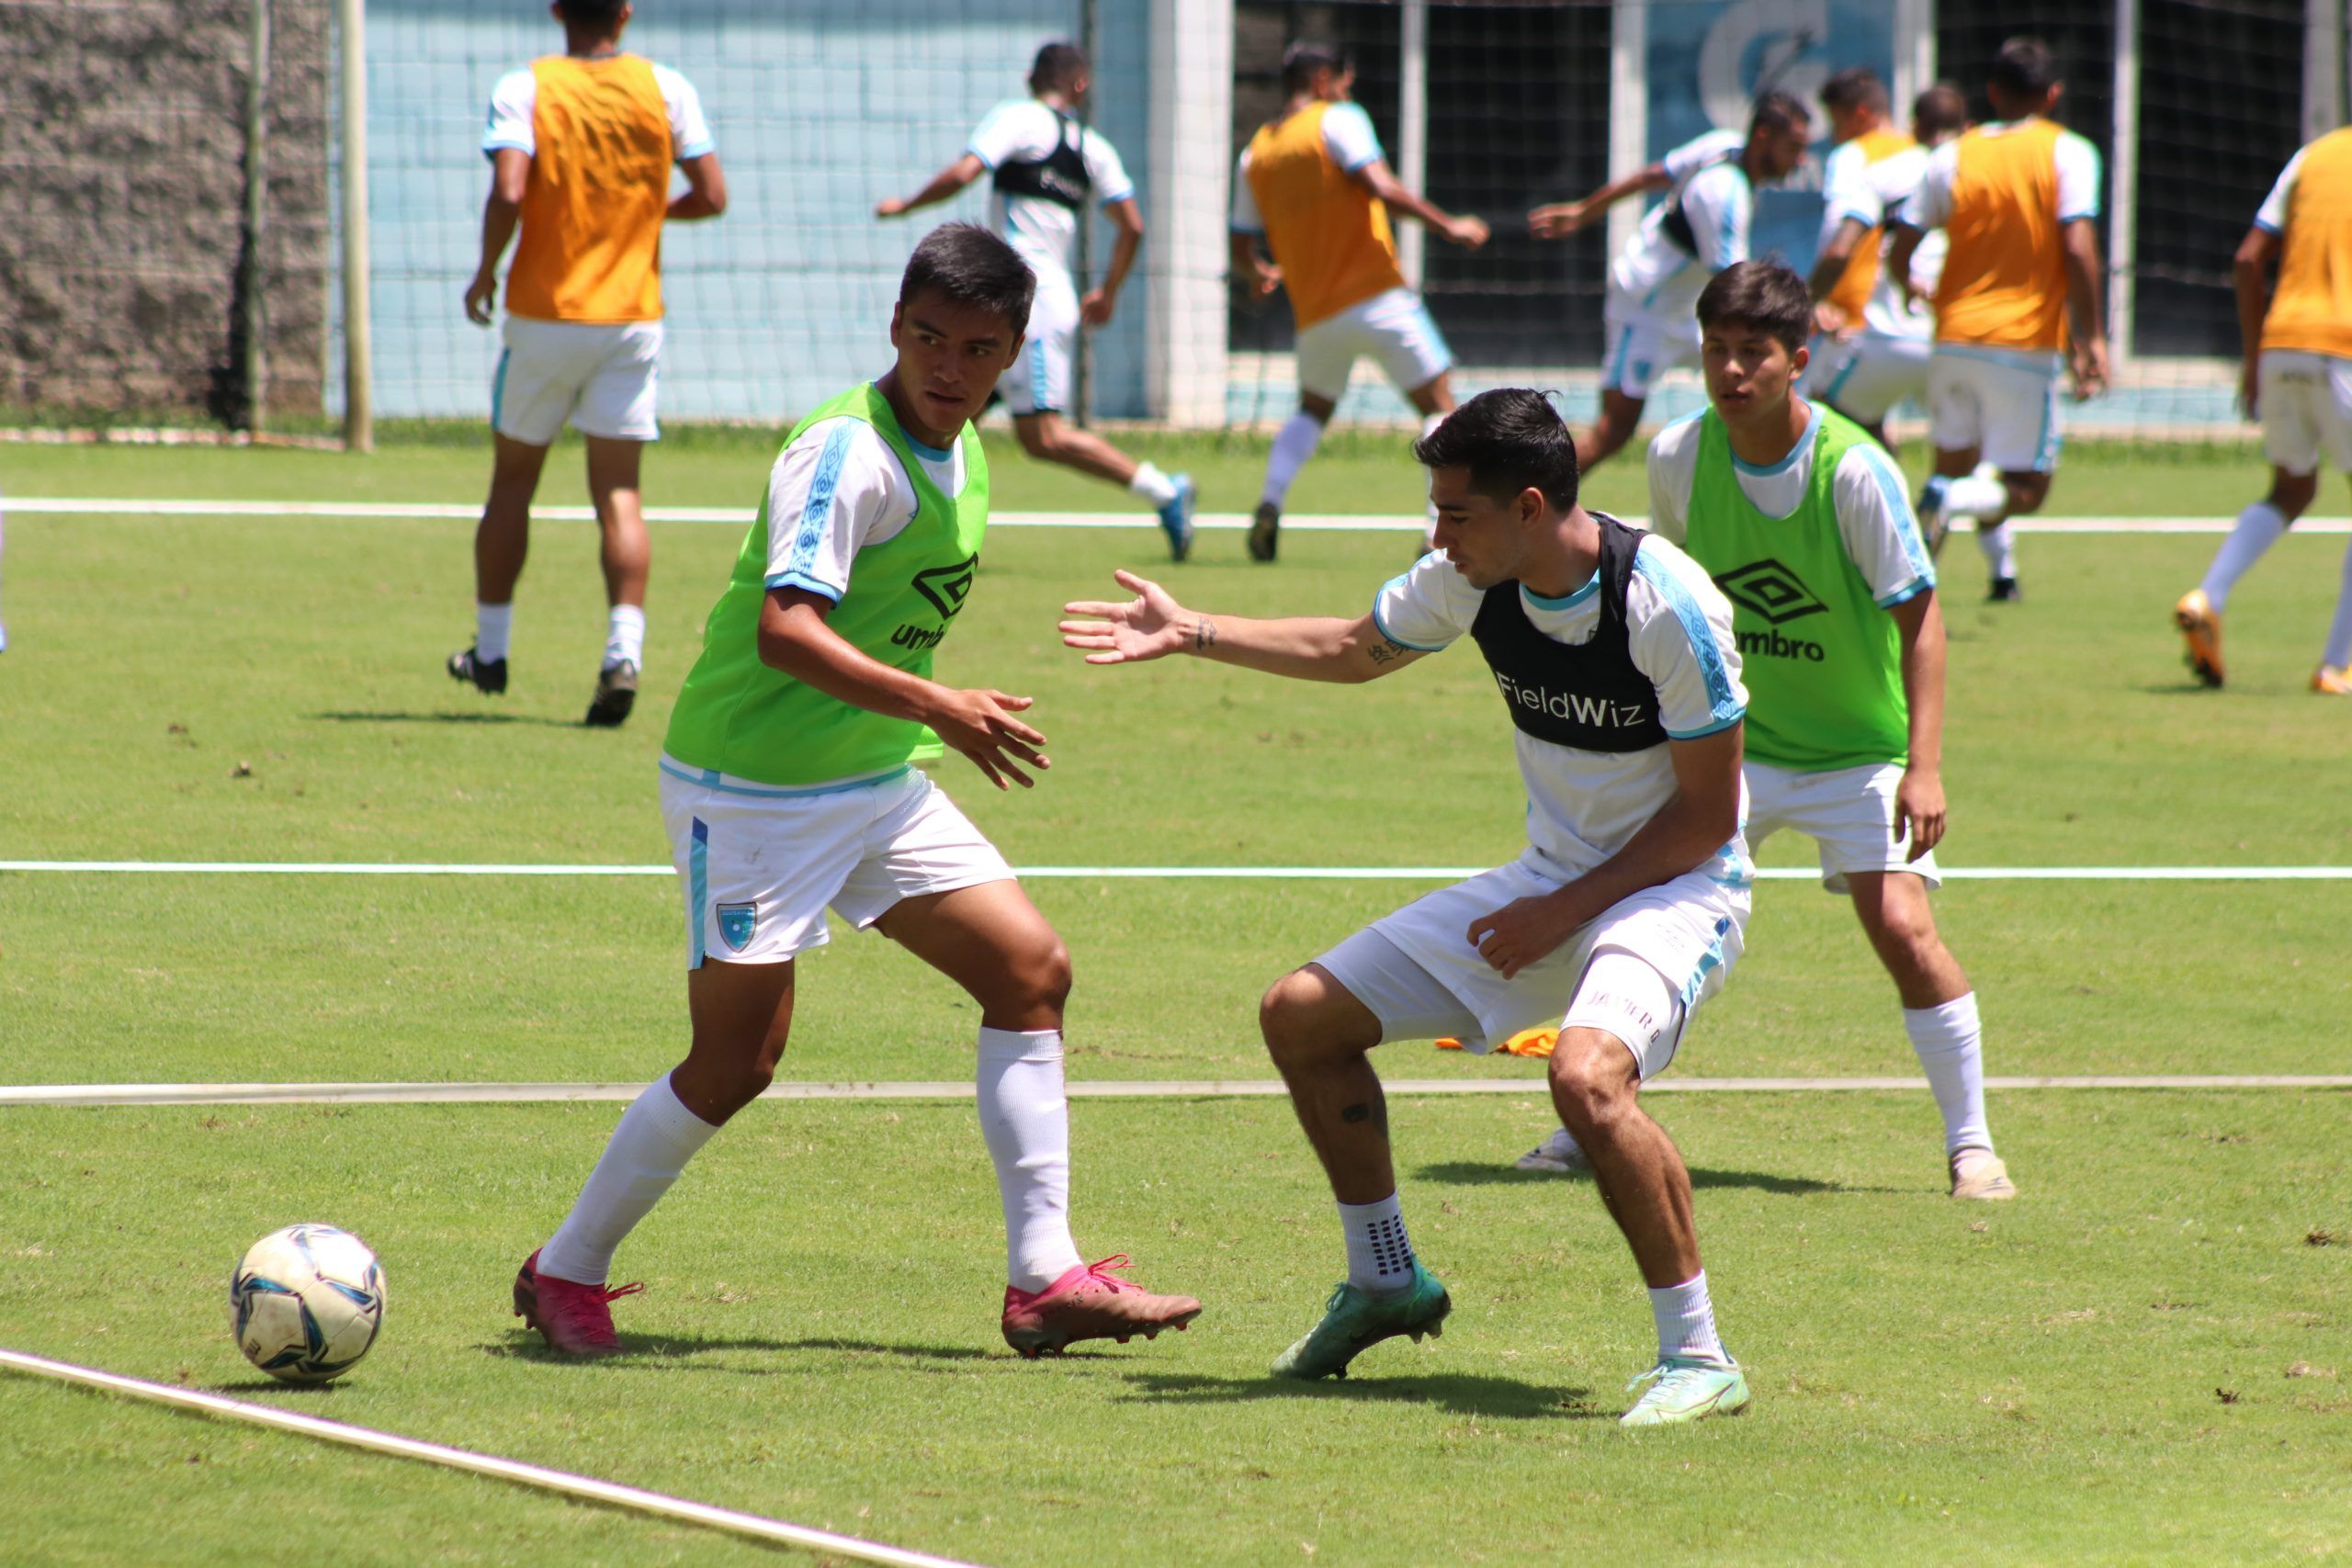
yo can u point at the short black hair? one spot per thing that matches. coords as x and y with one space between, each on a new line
1058 65
966 265
1852 89
1510 439
1938 111
1302 60
2024 69
1779 111
591 13
1763 294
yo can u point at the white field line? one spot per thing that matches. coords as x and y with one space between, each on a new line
87 1096
1170 872
585 1488
740 516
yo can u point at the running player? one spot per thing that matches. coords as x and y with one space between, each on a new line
2298 382
2018 201
1044 167
1315 185
788 785
1802 520
1873 335
1614 654
1697 232
580 145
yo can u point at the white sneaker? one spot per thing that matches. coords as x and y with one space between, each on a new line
1557 1154
1975 1174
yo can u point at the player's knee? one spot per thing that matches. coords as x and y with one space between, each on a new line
1040 980
1590 1084
1293 1017
1036 437
2027 493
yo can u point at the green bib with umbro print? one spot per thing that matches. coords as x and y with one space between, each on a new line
1823 663
738 715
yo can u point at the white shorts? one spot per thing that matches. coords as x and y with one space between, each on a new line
1849 813
2306 409
2003 404
1039 381
601 377
1393 328
1418 973
1863 377
759 865
1642 349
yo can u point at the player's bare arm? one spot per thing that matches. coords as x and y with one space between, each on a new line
510 172
1919 798
2250 270
944 183
1103 300
1381 180
1688 830
705 192
1903 243
1559 220
1305 648
2086 351
1827 268
980 724
1251 269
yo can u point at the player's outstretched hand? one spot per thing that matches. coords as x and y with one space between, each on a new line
979 724
1467 233
1148 625
1919 811
480 294
1522 932
890 206
1556 221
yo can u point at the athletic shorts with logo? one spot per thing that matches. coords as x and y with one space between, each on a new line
1849 813
600 377
759 865
2003 401
1039 381
2306 409
1863 377
1394 328
1418 971
1641 349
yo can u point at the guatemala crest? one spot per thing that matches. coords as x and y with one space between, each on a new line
736 924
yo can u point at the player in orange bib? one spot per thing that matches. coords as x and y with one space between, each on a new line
2298 382
1315 185
2018 199
580 146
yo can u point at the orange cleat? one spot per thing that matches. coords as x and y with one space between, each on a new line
2200 628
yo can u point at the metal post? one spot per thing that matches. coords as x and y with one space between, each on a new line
2322 67
1629 110
358 398
2123 161
1192 167
1413 128
252 323
1082 369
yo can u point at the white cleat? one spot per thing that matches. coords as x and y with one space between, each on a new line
1977 1173
1557 1154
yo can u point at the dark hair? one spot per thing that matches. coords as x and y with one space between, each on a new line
1938 111
1058 65
1779 111
1302 60
966 265
1853 88
1763 294
591 13
2024 69
1510 439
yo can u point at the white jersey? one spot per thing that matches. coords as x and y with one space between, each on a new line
1654 276
838 489
1583 806
1874 196
1044 231
513 104
1348 137
1874 517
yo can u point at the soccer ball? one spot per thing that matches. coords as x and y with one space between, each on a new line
306 1301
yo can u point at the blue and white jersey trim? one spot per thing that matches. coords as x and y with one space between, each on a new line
1723 697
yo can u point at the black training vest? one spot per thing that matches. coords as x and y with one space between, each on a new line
1676 224
1589 695
1059 177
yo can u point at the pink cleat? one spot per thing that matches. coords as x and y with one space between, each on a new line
1090 1303
575 1319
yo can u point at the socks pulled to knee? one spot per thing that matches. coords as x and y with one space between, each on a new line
1152 485
492 624
2000 546
656 1137
2339 632
1024 1116
1293 444
1686 1322
2258 527
1380 1255
625 636
1951 1045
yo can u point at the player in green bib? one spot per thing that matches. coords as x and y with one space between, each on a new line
1802 520
789 786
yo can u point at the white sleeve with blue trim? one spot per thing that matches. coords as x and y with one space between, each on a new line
1348 137
835 491
1427 606
2077 162
1718 204
2273 214
1674 473
1699 151
513 103
1880 532
1930 204
1679 628
1244 219
1103 170
689 131
1008 130
1847 191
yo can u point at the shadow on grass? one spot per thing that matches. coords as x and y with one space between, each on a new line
1500 1398
1467 1173
445 718
650 1349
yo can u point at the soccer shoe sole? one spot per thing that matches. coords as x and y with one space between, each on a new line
2200 629
1431 1328
1034 1343
1265 532
526 1307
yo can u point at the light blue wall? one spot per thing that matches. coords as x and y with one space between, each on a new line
819 108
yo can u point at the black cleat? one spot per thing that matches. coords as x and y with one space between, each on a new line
615 695
2005 591
484 675
1265 531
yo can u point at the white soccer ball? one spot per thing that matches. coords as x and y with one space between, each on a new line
306 1301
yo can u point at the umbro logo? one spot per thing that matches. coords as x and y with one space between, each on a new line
1772 590
946 586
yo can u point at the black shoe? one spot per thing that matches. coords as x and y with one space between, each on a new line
485 675
615 695
2005 591
1265 531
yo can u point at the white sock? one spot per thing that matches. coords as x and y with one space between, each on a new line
1380 1255
1293 445
1973 495
1152 485
1024 1116
657 1135
625 636
1686 1322
2000 548
1429 533
491 624
2338 652
2257 529
1951 1043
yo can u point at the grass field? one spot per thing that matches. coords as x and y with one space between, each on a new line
2144 1358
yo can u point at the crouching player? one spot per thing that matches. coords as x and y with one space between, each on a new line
788 785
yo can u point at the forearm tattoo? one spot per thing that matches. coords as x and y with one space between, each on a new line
1204 635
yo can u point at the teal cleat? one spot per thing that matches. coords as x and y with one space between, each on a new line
1685 1391
1355 1320
1176 518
